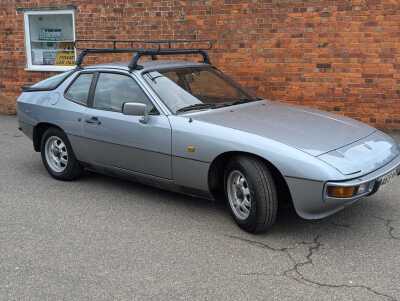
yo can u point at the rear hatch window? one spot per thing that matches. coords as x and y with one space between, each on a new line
49 83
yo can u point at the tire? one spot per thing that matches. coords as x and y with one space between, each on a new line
68 167
257 188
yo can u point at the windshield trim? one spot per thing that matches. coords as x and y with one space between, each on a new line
147 78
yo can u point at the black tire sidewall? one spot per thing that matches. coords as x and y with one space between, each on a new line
258 210
73 169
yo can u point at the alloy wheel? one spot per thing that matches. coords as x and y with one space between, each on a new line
239 195
56 154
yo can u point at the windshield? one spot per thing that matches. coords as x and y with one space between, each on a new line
195 88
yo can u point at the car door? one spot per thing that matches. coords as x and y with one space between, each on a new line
70 113
121 141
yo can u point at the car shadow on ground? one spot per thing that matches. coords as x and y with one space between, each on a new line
288 222
350 222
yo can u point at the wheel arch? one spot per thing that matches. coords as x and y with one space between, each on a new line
216 176
38 132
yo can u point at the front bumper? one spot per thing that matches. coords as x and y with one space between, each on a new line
372 179
309 196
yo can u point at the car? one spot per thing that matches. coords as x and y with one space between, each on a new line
186 126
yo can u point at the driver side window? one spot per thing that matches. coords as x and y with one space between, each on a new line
113 90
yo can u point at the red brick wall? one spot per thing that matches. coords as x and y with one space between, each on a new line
340 56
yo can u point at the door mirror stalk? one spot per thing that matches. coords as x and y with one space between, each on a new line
144 119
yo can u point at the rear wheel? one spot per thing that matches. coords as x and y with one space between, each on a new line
58 157
251 193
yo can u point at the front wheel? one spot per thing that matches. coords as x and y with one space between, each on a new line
251 193
58 157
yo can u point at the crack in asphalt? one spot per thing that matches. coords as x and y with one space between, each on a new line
340 225
313 247
388 226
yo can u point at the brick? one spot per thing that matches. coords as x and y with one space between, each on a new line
334 55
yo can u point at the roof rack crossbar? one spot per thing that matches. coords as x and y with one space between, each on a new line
87 51
133 64
163 47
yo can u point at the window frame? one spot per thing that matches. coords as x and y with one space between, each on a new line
94 86
91 88
28 48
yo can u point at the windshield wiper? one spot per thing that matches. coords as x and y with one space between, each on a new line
240 101
197 106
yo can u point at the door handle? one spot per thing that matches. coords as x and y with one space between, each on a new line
93 120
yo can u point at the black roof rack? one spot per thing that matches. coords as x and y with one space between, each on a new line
163 47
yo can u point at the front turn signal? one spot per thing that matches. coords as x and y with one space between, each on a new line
341 191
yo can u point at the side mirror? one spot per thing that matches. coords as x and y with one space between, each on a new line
136 109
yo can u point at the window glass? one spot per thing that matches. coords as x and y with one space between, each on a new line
113 90
181 88
52 82
209 85
50 38
79 90
174 96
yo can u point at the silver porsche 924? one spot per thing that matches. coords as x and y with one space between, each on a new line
187 127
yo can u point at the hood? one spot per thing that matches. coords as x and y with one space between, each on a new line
363 156
308 130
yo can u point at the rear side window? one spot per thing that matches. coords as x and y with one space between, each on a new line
113 90
78 91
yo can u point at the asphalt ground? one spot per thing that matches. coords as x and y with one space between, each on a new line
101 238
